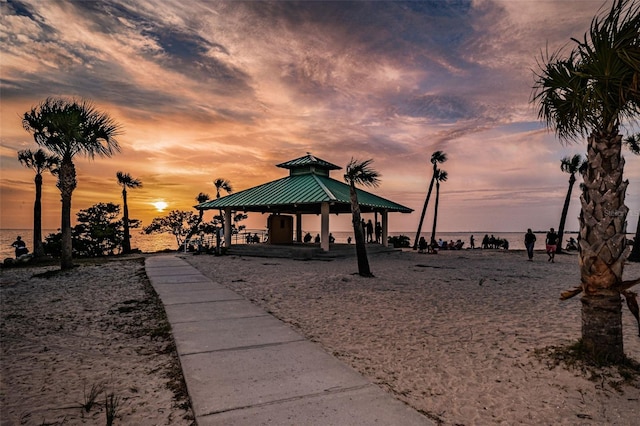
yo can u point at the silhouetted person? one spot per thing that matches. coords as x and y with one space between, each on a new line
422 245
317 239
551 242
472 242
369 231
20 246
529 242
378 232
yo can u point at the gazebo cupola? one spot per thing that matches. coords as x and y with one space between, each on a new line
308 165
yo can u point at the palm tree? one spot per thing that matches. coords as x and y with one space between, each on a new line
571 165
225 185
126 181
437 157
201 198
590 93
39 161
633 143
439 176
66 128
360 173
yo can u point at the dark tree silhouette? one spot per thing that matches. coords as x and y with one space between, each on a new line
67 128
439 176
360 173
571 165
40 162
126 181
221 184
438 157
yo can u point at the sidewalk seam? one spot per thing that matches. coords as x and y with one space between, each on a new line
245 348
329 391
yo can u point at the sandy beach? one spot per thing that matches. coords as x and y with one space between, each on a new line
96 326
465 337
462 336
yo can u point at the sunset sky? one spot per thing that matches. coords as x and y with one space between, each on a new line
206 89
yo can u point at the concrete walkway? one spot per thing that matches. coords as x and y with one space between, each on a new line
243 366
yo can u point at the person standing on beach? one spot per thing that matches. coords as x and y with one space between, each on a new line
369 228
472 242
529 242
551 242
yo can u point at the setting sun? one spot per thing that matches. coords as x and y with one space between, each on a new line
160 205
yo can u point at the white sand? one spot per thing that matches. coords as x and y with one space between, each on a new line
454 335
89 326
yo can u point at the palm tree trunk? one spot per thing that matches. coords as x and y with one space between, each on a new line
565 210
66 184
422 216
361 246
435 214
603 247
38 248
126 242
635 251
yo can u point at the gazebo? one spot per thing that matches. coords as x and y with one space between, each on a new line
307 190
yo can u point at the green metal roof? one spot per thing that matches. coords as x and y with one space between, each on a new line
302 193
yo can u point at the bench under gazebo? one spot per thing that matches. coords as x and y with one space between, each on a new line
307 190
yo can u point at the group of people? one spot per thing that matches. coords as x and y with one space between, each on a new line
373 232
424 247
491 242
307 238
551 244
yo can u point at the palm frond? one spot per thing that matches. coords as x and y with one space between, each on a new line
361 173
633 143
223 184
127 181
441 176
438 157
596 85
572 164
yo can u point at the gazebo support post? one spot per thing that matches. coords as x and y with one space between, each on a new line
227 227
299 227
385 228
324 221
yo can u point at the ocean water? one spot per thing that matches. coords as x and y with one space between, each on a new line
158 242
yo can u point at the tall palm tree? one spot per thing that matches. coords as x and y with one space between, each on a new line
360 173
571 165
439 176
633 143
225 185
66 128
590 93
438 157
126 181
39 161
